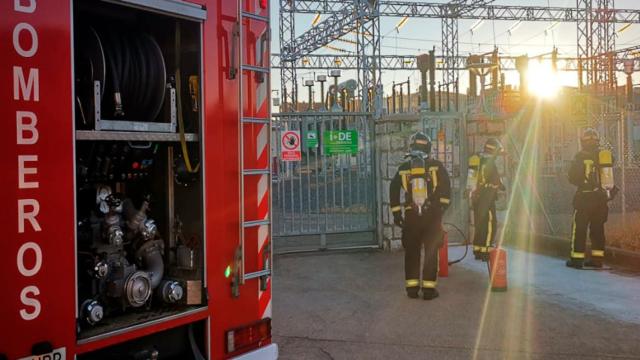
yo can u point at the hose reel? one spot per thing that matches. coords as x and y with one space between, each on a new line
130 68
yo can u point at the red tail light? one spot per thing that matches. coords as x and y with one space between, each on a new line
264 3
249 336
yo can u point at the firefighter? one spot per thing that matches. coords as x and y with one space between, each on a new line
591 172
427 189
483 199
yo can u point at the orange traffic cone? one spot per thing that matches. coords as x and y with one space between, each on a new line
498 269
443 257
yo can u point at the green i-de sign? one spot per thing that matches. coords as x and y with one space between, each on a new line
340 142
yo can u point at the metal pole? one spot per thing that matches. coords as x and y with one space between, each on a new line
464 156
333 184
309 85
456 91
401 98
316 151
423 91
432 79
439 97
323 160
378 183
448 97
623 159
393 96
308 150
299 167
321 79
408 94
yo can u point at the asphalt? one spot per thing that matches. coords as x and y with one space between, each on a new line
352 305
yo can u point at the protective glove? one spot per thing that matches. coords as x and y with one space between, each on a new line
397 219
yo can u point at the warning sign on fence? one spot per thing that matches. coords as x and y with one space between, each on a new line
340 142
311 139
291 146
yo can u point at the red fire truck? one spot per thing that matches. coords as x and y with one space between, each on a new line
136 179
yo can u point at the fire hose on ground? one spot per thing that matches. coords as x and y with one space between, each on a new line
465 244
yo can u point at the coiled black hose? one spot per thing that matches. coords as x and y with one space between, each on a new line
136 74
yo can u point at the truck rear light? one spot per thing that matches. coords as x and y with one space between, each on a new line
249 336
264 3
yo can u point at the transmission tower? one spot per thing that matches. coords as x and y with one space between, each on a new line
595 21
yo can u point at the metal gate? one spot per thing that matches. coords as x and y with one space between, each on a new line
446 132
323 201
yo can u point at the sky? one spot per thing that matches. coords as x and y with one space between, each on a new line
420 35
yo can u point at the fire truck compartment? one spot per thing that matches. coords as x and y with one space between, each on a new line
183 342
139 187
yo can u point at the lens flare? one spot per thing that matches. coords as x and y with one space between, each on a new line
522 202
543 81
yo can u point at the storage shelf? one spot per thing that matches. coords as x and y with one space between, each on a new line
132 136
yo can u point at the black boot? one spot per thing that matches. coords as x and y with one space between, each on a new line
593 263
430 293
412 292
575 263
476 255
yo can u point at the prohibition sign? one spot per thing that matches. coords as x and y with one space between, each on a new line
291 146
291 140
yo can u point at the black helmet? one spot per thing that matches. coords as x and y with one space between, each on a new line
420 142
493 146
590 139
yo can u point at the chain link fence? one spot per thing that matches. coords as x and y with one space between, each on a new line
549 202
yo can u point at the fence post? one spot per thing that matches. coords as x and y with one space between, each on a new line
464 169
378 183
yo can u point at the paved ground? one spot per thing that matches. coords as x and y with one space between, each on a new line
351 305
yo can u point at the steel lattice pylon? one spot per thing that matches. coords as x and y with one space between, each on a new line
369 64
603 32
288 81
596 42
408 62
597 61
450 45
584 41
595 24
450 54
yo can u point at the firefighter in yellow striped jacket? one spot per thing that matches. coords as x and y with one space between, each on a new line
427 193
483 200
592 173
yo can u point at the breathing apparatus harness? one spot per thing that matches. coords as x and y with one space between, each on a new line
590 142
418 181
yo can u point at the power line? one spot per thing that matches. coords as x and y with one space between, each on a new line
473 43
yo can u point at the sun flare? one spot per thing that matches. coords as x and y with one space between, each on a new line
543 81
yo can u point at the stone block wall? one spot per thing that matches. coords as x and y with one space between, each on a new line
392 142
